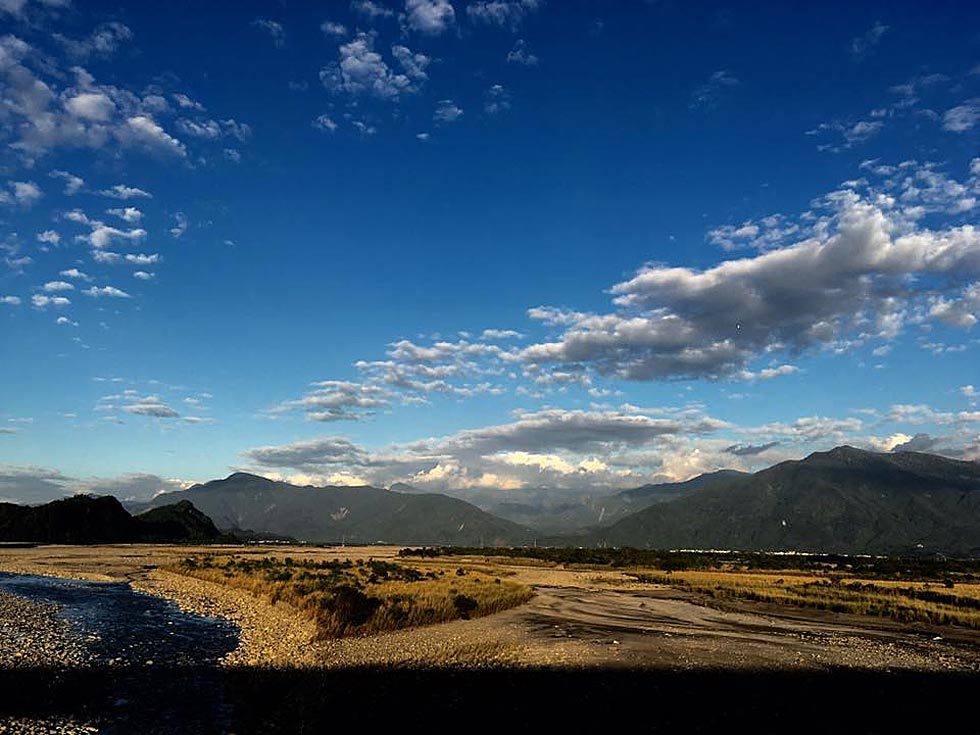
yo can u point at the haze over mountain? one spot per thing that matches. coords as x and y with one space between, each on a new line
559 510
345 514
845 500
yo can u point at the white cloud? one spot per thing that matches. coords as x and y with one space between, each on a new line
500 334
76 274
833 289
93 106
325 123
26 193
54 286
73 184
333 29
122 191
274 30
144 276
49 237
963 117
520 55
496 99
447 112
500 13
338 400
105 40
361 70
371 10
412 63
142 258
129 214
10 300
180 225
109 291
143 130
41 301
430 17
969 391
186 103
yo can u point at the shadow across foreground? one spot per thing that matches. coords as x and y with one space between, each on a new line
189 700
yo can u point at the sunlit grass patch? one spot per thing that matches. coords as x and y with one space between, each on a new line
941 603
360 597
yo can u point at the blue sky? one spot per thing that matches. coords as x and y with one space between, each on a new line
481 244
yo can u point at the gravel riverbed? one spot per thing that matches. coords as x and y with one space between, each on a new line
33 634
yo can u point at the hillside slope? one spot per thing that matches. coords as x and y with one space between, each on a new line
844 501
345 514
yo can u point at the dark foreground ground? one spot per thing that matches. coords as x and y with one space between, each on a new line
209 700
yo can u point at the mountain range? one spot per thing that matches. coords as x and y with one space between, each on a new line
354 515
845 500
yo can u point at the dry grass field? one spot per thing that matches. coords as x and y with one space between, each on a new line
360 597
907 601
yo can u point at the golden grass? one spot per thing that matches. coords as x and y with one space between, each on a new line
905 601
359 597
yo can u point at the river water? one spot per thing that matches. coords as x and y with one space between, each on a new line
125 627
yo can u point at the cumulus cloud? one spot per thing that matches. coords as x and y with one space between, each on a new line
863 269
104 41
963 117
371 10
333 29
521 55
496 99
49 237
73 184
41 301
24 193
430 17
106 291
143 131
31 485
130 214
361 70
75 274
500 13
102 235
312 453
563 448
325 123
842 135
338 400
447 112
46 107
131 486
122 191
55 286
151 406
142 258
